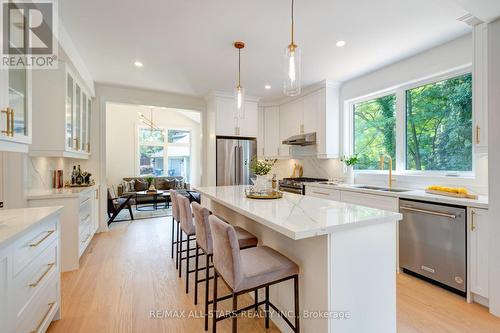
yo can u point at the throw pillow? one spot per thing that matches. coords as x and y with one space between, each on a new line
165 184
128 186
140 185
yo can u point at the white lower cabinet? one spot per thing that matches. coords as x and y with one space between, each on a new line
324 193
478 253
80 216
30 284
371 200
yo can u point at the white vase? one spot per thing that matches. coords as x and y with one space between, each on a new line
261 183
348 174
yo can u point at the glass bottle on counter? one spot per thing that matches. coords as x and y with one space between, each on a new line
79 177
73 175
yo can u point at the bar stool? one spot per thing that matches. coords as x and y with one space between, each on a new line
188 228
175 219
204 242
248 270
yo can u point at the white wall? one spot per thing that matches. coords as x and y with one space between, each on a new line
122 122
494 163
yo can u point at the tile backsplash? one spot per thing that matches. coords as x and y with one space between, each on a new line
312 167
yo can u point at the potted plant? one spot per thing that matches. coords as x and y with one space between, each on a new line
151 186
349 162
261 169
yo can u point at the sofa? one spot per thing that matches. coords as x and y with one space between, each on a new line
131 185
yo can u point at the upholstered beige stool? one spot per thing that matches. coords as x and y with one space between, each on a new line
204 242
175 221
248 270
188 228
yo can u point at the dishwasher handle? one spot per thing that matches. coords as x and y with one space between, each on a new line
431 212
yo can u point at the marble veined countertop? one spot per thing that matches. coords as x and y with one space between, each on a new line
66 192
14 222
298 216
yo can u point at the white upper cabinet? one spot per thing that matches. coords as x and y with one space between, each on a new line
16 115
260 132
317 111
480 90
271 131
61 97
222 106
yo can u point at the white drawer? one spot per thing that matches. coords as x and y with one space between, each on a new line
34 278
324 193
42 309
29 246
85 209
371 200
84 236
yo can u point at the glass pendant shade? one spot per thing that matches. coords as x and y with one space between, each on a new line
291 84
239 102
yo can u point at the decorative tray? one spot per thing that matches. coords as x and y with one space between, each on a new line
77 186
264 195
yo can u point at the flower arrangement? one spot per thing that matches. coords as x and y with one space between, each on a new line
350 160
261 167
149 180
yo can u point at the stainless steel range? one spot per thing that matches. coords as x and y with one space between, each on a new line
296 185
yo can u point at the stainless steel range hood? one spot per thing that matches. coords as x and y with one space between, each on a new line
307 139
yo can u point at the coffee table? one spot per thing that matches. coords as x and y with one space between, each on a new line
153 195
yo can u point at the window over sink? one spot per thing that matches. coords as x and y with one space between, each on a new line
425 127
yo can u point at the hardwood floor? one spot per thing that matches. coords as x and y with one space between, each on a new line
127 273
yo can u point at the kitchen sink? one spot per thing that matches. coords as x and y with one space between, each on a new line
384 189
328 183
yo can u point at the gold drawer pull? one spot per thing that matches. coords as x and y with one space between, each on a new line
10 122
51 305
34 284
44 238
478 137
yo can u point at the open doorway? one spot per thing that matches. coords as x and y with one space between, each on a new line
151 147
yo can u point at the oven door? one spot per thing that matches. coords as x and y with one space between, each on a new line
290 189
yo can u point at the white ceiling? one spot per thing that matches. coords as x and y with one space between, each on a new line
186 45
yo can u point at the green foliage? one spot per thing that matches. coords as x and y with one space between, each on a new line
439 125
261 167
149 180
350 160
146 134
374 131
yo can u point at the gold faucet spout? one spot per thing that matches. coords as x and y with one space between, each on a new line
382 164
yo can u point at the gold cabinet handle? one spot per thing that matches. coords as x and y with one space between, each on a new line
50 232
478 137
51 305
472 222
37 282
11 122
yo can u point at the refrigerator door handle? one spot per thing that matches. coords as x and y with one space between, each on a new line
236 169
242 166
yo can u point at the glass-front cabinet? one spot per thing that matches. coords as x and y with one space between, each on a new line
78 115
15 100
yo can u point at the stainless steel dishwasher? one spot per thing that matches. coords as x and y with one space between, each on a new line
432 242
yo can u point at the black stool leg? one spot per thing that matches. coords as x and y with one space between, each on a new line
180 255
267 307
173 229
214 316
177 247
235 317
296 295
187 263
196 263
256 298
207 274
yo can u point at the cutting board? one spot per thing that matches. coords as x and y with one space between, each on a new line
454 195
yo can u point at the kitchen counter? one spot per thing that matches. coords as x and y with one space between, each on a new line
67 192
346 254
297 216
14 222
481 202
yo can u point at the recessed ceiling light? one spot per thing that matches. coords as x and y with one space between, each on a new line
138 64
267 86
340 43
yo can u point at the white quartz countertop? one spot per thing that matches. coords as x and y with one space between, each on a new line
480 202
14 222
67 192
297 216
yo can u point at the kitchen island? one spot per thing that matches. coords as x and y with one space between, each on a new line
346 254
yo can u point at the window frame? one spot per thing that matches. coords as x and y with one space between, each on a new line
165 145
401 143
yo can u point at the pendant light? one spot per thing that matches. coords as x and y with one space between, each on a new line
239 91
291 83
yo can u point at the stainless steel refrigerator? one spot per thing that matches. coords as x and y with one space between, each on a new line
233 160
